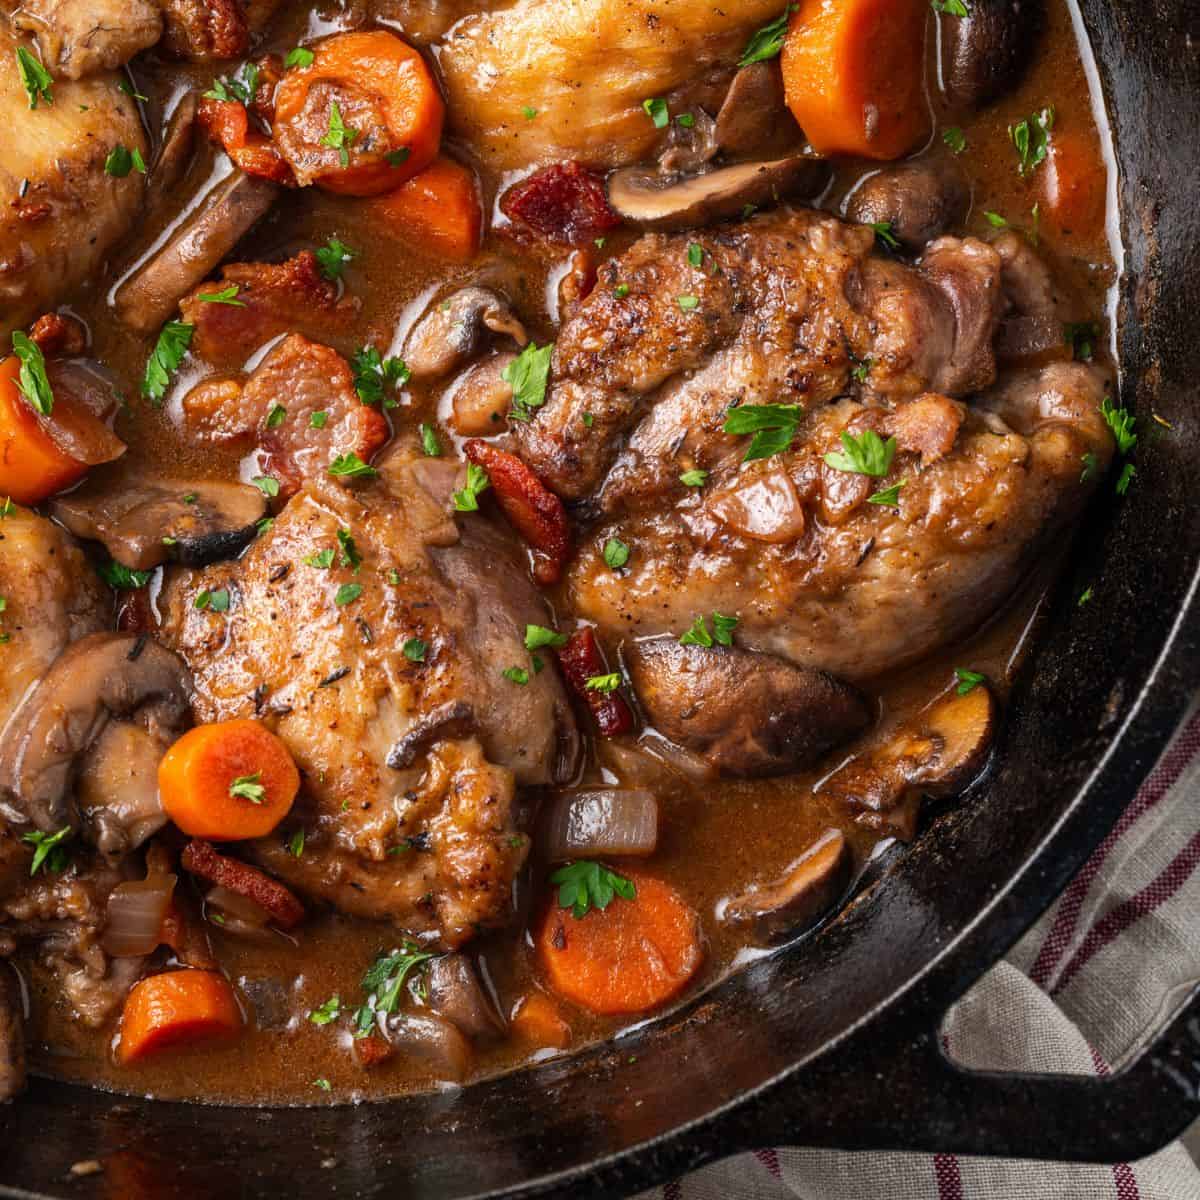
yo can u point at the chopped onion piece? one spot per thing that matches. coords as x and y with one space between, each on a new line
238 910
684 762
135 916
601 821
766 508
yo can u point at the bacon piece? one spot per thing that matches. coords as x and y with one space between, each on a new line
206 30
927 426
534 511
204 862
301 377
564 203
271 298
228 123
581 660
372 1050
58 336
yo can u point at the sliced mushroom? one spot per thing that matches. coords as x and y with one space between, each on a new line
145 523
456 994
117 786
811 887
748 714
175 153
668 202
986 53
482 398
101 678
692 147
454 330
12 1037
455 718
920 201
149 296
940 753
755 121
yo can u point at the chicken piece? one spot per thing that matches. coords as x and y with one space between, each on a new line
272 298
52 598
83 37
303 378
586 66
393 701
62 212
853 588
787 308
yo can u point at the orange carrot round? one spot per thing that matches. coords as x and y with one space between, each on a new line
630 957
228 781
32 467
853 74
439 211
176 1008
1075 182
363 118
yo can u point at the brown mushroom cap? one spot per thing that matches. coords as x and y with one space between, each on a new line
456 994
144 523
945 748
150 295
453 331
666 202
98 679
748 714
811 887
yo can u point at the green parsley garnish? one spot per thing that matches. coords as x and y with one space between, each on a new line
214 601
1128 471
121 160
383 982
695 254
121 577
322 560
296 844
1031 138
528 374
616 553
276 416
347 594
169 350
603 683
773 426
888 497
333 257
340 136
538 636
227 295
32 381
656 110
768 41
248 787
955 139
583 886
372 373
1080 337
35 79
968 681
350 466
516 675
300 57
429 440
50 850
528 112
1121 421
952 8
687 303
866 454
884 234
350 554
267 484
722 634
318 420
694 478
995 220
467 500
327 1012
415 650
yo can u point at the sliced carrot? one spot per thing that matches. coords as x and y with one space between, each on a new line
32 467
853 73
388 120
630 957
174 1009
537 1022
1075 182
439 211
228 781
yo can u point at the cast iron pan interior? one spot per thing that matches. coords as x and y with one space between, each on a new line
856 1006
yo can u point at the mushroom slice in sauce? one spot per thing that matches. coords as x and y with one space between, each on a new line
145 523
754 121
101 678
148 297
811 887
456 994
942 752
455 329
986 53
919 201
665 202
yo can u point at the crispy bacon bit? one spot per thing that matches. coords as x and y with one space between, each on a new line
228 123
271 298
135 614
58 336
563 203
577 284
372 1050
203 861
926 426
581 660
206 30
534 511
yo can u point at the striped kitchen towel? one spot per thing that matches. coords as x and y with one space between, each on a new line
1088 985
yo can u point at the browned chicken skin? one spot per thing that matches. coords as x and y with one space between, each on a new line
431 841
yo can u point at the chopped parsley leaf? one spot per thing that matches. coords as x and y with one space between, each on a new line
340 136
1128 471
350 466
583 886
318 420
866 454
656 110
528 374
687 303
516 675
415 650
955 139
884 234
603 683
538 636
773 426
300 57
333 257
1080 337
1031 137
322 560
169 350
32 381
888 497
768 41
968 681
347 594
50 850
122 578
467 500
327 1012
694 478
296 848
429 440
248 787
35 79
1121 421
227 295
616 553
267 484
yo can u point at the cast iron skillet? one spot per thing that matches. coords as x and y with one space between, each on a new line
832 1042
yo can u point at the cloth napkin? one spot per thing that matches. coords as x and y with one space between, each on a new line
1086 987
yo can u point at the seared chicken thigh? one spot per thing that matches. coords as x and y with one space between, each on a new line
380 662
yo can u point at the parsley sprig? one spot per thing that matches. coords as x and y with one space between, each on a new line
866 454
768 41
384 981
168 353
528 374
583 886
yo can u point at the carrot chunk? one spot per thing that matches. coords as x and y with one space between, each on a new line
363 118
630 957
176 1008
537 1022
438 212
853 74
1075 180
228 781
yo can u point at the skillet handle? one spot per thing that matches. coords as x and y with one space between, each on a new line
918 1099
